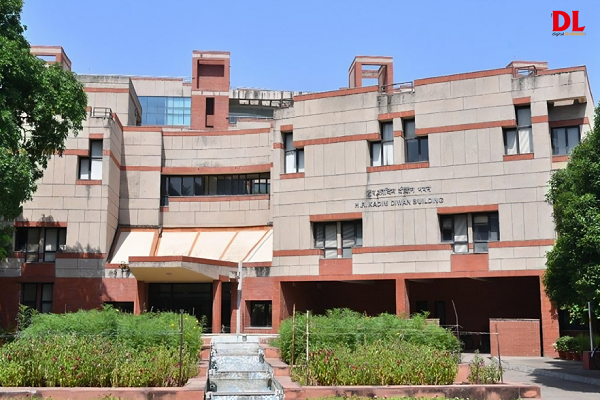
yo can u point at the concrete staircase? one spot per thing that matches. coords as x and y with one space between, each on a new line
238 369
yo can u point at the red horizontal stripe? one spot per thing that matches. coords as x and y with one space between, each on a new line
196 260
467 209
338 139
397 167
466 127
335 217
242 169
336 93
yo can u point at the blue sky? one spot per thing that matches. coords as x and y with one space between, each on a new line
309 45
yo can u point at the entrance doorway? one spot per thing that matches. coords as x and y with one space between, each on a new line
193 298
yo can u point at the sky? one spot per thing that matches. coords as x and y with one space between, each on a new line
309 45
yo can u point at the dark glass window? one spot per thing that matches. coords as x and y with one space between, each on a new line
325 235
382 152
27 240
485 229
123 306
417 147
214 185
261 313
564 139
519 140
454 229
91 167
294 158
37 296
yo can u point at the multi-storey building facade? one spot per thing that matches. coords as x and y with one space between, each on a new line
242 205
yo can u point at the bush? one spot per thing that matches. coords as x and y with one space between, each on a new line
482 374
343 327
562 343
101 349
379 363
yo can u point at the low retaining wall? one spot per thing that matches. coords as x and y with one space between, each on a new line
82 393
518 337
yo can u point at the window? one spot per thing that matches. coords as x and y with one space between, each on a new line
485 229
294 158
261 314
27 240
564 139
214 185
123 306
417 147
454 229
162 110
519 141
91 167
382 152
37 296
326 237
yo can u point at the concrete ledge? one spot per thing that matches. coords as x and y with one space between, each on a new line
191 391
473 392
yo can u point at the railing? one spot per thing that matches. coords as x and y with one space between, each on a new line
402 87
526 70
101 112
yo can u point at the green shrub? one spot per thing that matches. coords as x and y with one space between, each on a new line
379 363
581 343
482 374
562 343
354 330
101 349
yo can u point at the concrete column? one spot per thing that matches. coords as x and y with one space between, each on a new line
141 300
216 306
549 324
277 306
402 304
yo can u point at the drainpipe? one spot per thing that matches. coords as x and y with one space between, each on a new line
239 300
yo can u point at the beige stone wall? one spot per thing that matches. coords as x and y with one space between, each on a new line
466 168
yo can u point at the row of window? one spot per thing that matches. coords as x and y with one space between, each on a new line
164 110
214 185
37 296
338 238
417 147
27 241
90 168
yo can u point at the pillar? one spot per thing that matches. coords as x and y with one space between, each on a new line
216 306
234 307
402 303
549 324
141 303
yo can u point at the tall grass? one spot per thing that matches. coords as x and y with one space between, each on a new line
343 327
101 348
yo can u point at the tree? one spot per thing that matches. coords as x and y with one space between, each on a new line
39 105
572 277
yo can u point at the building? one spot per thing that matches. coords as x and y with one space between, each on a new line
421 196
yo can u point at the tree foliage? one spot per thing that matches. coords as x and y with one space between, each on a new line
572 276
39 106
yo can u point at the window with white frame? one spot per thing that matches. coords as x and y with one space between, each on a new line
337 237
564 140
486 228
417 147
294 158
382 152
27 241
518 140
455 230
90 168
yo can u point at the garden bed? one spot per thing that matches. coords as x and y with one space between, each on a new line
102 349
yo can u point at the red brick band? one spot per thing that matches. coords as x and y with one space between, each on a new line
335 93
466 127
397 167
296 175
335 217
242 169
400 114
339 139
212 199
517 157
467 209
569 122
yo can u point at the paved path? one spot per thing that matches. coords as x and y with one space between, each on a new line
554 388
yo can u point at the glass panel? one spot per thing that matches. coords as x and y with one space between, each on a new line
46 308
96 148
46 292
494 227
212 185
62 237
376 157
199 186
424 149
388 153
359 233
460 228
289 139
331 236
348 234
461 248
387 132
525 141
524 116
300 154
50 257
412 150
572 138
290 161
33 240
187 186
29 293
347 252
96 172
174 186
319 236
447 229
480 247
409 129
510 146
51 239
21 239
480 227
561 144
330 253
84 168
